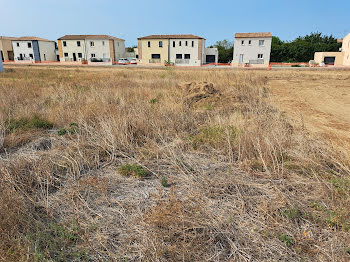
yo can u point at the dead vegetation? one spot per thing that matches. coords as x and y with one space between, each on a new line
135 165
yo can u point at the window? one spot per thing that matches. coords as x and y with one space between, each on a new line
192 43
92 43
242 42
186 43
250 42
44 57
173 43
29 45
18 44
160 43
260 56
64 43
118 43
103 43
149 43
261 42
66 54
179 43
155 56
78 43
178 56
80 55
93 55
31 55
137 56
187 56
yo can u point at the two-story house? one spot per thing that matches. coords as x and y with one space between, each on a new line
187 50
252 49
98 48
33 49
6 49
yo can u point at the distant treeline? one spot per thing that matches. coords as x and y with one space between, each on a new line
302 49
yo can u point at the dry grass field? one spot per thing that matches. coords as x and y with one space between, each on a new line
129 164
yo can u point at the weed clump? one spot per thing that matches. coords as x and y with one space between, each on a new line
132 170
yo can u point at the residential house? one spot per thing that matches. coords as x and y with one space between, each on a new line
95 48
187 50
6 48
341 58
33 49
252 48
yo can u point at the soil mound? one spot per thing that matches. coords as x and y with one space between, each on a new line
199 91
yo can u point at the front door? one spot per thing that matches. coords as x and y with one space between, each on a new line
74 57
2 56
241 57
20 57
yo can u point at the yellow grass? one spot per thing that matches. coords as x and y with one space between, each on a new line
226 176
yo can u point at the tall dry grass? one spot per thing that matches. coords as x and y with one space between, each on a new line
242 182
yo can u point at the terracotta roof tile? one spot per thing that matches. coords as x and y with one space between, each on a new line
7 38
252 35
186 36
79 37
31 38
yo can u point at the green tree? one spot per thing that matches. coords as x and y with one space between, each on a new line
225 49
303 48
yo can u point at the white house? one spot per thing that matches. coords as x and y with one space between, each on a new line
33 49
95 48
252 48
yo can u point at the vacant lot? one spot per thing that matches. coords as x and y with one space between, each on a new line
173 165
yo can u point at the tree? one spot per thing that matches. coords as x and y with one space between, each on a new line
303 48
225 49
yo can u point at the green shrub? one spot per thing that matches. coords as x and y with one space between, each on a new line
291 213
73 129
132 170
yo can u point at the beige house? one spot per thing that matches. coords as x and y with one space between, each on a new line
337 58
6 48
184 50
91 48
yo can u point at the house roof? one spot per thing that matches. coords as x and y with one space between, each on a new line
7 38
253 35
186 36
339 40
31 38
80 37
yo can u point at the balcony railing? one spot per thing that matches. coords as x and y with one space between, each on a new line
155 61
182 61
257 61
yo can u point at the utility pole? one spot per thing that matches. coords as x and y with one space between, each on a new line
1 65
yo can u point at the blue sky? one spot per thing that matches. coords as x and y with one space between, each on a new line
214 20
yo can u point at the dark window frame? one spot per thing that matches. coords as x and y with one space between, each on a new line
29 45
160 43
155 56
65 54
78 43
149 43
178 56
64 43
80 55
187 56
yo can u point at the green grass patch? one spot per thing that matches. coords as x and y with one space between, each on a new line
287 240
57 243
214 136
25 123
132 170
72 129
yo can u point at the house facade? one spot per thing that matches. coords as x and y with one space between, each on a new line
252 48
98 48
341 58
186 50
33 49
6 49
